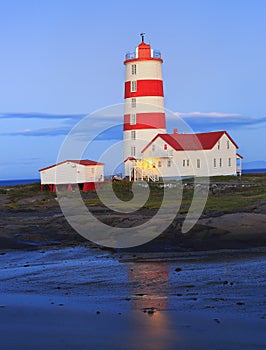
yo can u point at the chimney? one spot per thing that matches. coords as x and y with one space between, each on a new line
175 131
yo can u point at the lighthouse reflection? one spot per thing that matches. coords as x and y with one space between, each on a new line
150 285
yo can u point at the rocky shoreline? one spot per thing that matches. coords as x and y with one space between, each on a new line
37 222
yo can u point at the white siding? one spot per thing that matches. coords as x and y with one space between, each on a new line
185 163
70 172
150 69
145 104
143 137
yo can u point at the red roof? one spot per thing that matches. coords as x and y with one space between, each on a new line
192 142
129 158
85 162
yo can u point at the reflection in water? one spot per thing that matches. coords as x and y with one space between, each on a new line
150 285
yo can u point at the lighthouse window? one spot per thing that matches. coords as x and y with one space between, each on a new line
132 119
134 69
133 151
133 86
133 102
133 135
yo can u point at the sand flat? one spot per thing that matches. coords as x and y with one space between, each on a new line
78 298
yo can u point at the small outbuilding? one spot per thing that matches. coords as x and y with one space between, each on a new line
69 175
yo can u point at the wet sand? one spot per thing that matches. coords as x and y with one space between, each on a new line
202 290
79 298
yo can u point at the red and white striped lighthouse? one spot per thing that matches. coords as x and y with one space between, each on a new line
144 115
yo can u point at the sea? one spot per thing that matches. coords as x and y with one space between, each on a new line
18 182
254 171
29 181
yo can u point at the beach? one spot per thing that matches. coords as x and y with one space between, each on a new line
202 290
79 298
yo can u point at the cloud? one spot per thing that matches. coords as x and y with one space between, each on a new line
89 131
56 131
104 120
41 116
206 121
207 114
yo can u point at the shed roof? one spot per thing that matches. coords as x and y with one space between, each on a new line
85 162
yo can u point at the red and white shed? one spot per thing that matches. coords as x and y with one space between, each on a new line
72 173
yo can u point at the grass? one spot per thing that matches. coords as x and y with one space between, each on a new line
232 201
252 189
15 193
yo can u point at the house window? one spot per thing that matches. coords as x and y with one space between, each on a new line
134 69
165 146
169 163
214 163
133 102
133 86
227 144
132 119
159 164
133 134
133 151
229 162
170 152
153 147
187 162
198 163
221 162
219 145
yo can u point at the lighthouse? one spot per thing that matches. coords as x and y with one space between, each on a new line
144 115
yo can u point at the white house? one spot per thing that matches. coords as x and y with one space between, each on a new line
180 155
70 173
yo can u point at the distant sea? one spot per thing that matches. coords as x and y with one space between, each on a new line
254 171
18 182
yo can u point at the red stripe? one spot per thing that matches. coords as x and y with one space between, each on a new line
145 121
143 59
145 88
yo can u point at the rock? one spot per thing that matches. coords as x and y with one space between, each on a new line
217 320
178 269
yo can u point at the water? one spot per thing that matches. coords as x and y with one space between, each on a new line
89 299
254 171
17 182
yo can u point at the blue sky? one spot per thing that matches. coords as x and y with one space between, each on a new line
61 60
